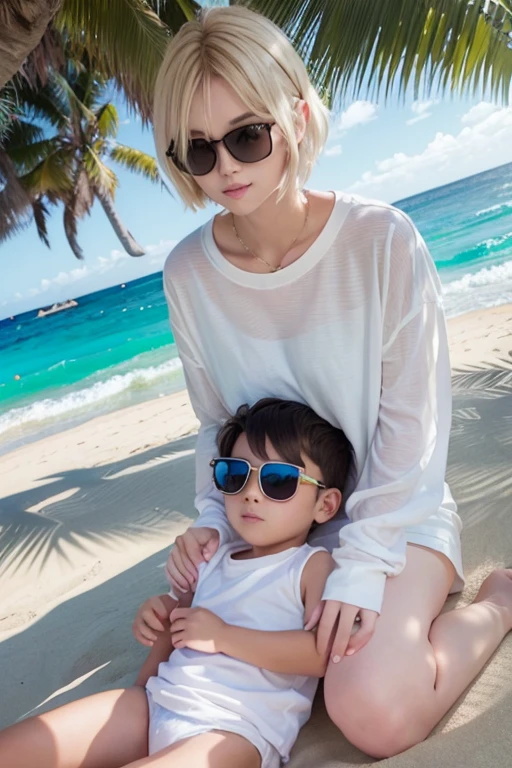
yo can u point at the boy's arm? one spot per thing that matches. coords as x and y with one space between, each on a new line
163 647
287 652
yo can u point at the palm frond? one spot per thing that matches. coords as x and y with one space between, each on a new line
107 120
51 177
353 47
174 13
22 133
100 176
26 158
136 161
15 213
125 39
40 212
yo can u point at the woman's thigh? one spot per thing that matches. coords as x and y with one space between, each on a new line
387 679
107 730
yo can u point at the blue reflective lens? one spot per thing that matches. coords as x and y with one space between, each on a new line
230 475
279 481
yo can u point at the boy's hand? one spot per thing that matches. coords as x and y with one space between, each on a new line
152 617
193 547
198 629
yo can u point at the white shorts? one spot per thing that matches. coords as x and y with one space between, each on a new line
166 728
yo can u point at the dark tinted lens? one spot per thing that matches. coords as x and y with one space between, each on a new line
250 143
201 157
279 481
230 475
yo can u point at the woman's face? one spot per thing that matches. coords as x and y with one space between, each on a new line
260 178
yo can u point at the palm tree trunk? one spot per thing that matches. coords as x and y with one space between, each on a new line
130 245
22 25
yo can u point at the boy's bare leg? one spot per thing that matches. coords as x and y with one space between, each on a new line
107 730
216 749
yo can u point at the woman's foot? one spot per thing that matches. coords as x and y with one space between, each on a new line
496 589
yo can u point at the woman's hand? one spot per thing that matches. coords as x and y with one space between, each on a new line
347 640
194 546
198 629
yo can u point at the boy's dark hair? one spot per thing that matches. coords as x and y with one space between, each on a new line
293 429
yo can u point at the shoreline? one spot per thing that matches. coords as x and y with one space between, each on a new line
466 350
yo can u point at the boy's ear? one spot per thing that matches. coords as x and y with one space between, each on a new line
328 504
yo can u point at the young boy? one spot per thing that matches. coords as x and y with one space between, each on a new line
240 679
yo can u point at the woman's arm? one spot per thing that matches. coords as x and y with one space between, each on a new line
209 409
402 480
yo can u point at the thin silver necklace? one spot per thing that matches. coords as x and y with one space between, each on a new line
260 258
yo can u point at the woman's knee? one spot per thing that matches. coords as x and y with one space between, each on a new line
379 722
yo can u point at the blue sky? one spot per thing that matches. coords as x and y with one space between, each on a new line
383 151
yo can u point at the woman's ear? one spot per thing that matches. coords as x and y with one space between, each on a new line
302 114
328 504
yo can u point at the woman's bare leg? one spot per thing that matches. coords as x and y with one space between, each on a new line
107 730
389 696
216 749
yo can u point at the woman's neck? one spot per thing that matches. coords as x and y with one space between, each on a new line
271 229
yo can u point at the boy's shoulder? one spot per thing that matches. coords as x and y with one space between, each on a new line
315 572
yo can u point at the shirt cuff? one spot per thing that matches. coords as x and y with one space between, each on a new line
356 584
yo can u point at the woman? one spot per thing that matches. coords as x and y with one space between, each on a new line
334 301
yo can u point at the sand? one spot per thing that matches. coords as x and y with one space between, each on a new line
87 517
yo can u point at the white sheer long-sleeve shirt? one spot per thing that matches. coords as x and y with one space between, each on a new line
354 328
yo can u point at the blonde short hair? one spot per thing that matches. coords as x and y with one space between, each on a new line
254 56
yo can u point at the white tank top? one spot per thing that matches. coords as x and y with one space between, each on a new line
261 593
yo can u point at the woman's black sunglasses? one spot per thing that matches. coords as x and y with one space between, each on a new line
248 144
278 480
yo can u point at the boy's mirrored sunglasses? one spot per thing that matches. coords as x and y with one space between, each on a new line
278 480
248 144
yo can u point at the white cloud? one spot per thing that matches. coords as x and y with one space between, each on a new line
358 113
479 113
333 151
480 144
422 110
59 287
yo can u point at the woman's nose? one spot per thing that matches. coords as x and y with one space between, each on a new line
226 163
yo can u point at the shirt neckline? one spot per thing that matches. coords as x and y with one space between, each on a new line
255 563
287 275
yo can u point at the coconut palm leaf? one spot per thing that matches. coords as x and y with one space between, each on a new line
99 174
27 157
136 161
124 38
40 213
15 205
353 47
107 121
51 177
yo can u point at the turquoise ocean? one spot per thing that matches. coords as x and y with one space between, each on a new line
116 348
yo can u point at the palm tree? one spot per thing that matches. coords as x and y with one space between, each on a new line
347 42
124 39
57 144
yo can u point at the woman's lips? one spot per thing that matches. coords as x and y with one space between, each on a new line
236 193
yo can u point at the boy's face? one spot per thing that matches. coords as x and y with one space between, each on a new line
266 523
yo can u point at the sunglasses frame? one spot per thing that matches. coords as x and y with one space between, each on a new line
302 478
179 165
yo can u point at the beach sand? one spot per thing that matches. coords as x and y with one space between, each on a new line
87 517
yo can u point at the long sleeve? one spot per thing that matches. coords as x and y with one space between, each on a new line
402 480
211 413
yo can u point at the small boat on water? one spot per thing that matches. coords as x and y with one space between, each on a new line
59 307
